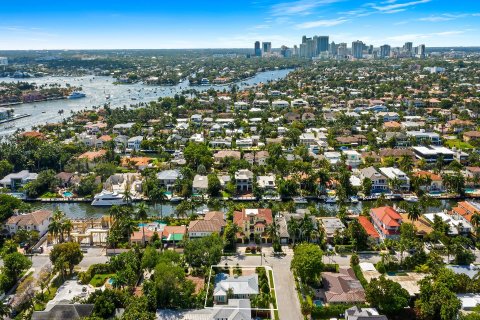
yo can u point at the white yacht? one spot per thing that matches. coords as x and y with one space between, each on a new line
300 200
108 198
331 200
77 95
411 198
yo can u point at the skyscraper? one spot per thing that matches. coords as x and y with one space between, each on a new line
385 51
267 47
408 47
258 50
421 51
357 49
342 50
322 44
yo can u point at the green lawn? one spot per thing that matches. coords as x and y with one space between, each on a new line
458 144
99 279
270 275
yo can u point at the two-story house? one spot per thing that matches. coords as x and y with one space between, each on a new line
134 143
387 222
168 178
353 158
213 222
379 181
33 221
14 181
395 174
244 180
253 222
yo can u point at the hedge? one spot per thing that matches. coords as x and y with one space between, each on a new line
343 248
99 268
331 267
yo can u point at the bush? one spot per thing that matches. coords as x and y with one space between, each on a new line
99 279
359 275
354 260
99 268
380 266
343 248
331 267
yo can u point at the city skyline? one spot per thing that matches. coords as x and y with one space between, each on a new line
215 24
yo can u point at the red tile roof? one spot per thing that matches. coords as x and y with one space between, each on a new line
240 217
368 226
387 215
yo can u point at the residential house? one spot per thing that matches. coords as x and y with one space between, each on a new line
168 178
280 104
421 135
436 181
353 158
472 175
396 174
307 139
342 287
259 157
92 158
236 309
387 222
244 180
457 224
431 153
387 116
14 181
252 222
64 310
223 154
471 136
33 221
213 222
466 209
236 287
333 157
266 182
200 184
332 225
134 143
167 234
379 181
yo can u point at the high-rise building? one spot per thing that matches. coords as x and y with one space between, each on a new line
421 51
408 47
357 49
322 44
295 50
333 48
342 50
385 51
370 49
258 50
267 47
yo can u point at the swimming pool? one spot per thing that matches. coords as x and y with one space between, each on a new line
318 303
67 194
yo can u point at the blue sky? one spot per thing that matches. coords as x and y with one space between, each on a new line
234 23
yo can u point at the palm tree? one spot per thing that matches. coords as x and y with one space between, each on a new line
414 212
54 228
127 195
141 214
406 163
67 227
272 231
293 228
475 220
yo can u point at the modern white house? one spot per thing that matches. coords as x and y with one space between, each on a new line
280 104
354 159
14 181
134 143
168 178
241 287
332 156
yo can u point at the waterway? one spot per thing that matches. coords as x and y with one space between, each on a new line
97 88
85 210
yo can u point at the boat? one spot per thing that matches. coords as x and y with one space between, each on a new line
176 199
77 95
107 96
353 199
331 200
108 198
411 198
300 200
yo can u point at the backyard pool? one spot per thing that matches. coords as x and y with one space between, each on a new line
318 303
67 194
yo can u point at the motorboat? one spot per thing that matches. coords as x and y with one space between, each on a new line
108 198
77 95
331 200
411 198
300 200
176 199
353 199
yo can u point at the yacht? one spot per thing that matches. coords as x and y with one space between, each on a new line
77 95
354 199
176 199
108 198
300 200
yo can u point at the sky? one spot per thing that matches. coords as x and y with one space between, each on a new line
167 24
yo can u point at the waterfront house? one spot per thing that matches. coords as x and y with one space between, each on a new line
92 158
379 181
32 221
14 181
168 178
436 181
244 180
200 184
396 174
387 222
134 143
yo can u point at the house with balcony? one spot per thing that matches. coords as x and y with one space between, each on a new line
33 221
200 184
353 158
253 222
168 178
244 180
15 181
379 181
386 221
436 181
213 222
134 143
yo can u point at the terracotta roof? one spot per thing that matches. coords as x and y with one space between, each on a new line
33 134
392 124
387 215
342 287
422 225
91 155
474 134
465 209
105 138
213 222
137 161
433 176
368 226
35 218
240 217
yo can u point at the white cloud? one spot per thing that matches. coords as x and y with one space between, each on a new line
300 7
394 11
410 37
435 19
321 23
395 6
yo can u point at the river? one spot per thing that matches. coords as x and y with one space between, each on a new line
85 210
96 88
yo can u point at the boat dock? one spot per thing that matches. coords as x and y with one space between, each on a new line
15 117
